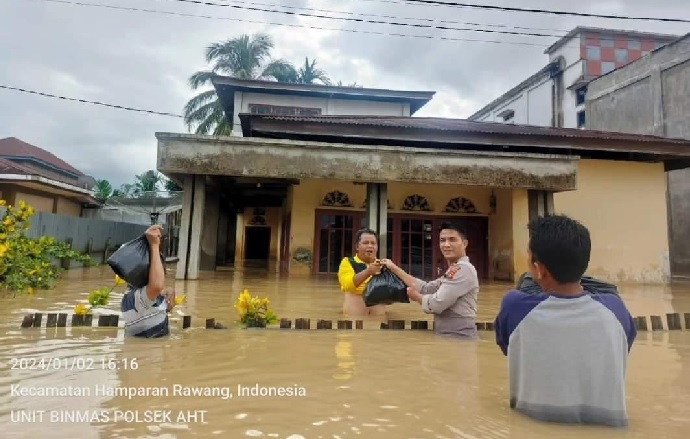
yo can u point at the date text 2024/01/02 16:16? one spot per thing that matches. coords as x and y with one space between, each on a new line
74 363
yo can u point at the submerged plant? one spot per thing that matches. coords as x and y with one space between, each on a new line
97 298
254 312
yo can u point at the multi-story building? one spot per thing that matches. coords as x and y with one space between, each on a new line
555 95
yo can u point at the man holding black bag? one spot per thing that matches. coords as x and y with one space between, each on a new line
145 308
452 298
356 271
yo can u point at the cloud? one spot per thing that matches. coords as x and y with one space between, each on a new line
143 60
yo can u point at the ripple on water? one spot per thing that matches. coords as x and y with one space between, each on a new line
369 383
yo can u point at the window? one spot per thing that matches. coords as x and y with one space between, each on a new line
607 67
581 119
278 110
580 95
506 115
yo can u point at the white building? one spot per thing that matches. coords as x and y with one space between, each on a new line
555 95
275 98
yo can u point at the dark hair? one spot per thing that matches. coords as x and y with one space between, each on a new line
365 231
562 244
455 226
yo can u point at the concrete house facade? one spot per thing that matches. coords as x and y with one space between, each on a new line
291 190
652 96
555 95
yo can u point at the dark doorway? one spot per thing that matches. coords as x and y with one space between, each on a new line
257 243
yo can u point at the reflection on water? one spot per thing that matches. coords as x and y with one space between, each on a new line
367 383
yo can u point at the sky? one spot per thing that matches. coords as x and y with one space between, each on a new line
143 60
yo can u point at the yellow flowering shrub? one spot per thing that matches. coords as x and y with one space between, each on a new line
254 312
97 298
27 263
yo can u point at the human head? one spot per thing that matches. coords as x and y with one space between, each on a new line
367 245
559 250
453 241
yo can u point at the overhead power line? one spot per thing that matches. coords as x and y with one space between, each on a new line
362 20
304 26
545 11
392 17
120 107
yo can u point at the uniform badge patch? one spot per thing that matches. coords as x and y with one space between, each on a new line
452 271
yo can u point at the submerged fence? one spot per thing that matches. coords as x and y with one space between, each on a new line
674 322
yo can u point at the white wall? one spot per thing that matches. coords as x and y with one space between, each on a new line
329 107
571 74
571 53
533 106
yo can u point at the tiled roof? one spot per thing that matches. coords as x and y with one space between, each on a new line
14 147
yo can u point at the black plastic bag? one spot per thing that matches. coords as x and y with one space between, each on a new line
592 285
384 289
131 262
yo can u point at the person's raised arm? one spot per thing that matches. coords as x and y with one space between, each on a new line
156 269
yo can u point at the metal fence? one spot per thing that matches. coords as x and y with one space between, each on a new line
98 238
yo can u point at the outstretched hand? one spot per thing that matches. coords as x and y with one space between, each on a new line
388 264
414 295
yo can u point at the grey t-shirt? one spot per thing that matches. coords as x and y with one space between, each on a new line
567 356
452 299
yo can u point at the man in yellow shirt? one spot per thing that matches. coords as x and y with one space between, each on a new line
356 271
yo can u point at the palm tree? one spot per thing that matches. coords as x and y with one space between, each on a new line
147 183
125 191
171 186
103 190
244 57
353 84
309 73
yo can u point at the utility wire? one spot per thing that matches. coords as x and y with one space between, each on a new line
362 20
120 107
304 26
392 17
544 11
427 37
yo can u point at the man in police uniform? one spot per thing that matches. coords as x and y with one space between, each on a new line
452 298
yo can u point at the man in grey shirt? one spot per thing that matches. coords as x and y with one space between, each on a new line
567 348
452 298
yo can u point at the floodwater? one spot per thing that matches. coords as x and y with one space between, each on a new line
345 384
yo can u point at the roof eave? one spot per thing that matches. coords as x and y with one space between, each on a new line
256 126
226 87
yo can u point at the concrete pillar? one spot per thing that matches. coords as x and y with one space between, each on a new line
197 227
185 223
209 233
540 203
377 214
658 101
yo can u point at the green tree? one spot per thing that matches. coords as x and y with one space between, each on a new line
103 190
244 57
147 182
171 186
309 73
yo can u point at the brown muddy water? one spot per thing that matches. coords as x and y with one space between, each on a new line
348 384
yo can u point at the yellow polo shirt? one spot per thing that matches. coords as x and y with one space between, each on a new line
346 277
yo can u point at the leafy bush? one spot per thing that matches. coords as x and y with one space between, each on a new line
26 263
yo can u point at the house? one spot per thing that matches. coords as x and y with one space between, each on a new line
42 180
555 95
652 96
292 190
